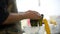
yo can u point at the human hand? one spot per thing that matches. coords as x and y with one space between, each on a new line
32 14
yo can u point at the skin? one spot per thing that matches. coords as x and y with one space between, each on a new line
14 17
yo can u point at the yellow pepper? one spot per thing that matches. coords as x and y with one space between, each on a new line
47 28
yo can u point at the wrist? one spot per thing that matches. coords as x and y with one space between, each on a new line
22 15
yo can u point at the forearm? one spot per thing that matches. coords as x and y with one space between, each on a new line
14 17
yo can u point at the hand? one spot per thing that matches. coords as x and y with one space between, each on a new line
32 14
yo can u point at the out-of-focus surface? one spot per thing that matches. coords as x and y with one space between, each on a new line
57 19
55 29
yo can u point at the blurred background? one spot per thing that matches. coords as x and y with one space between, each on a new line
49 8
46 7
